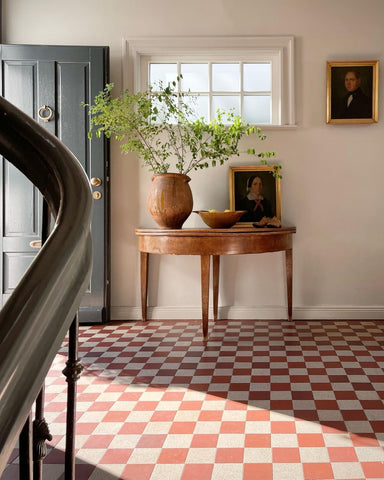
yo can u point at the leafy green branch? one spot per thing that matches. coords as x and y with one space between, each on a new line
161 127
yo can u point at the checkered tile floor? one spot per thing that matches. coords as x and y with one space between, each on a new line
260 400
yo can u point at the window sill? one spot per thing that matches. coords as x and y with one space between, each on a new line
278 127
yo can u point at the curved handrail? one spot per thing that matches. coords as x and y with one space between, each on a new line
37 316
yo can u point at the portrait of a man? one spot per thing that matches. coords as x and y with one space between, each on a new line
352 92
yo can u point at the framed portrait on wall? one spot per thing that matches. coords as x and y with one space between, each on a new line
352 92
255 190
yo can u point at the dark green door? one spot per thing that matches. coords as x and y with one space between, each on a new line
52 81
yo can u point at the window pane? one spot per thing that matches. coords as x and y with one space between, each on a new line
162 72
257 77
226 103
195 77
257 109
226 77
199 104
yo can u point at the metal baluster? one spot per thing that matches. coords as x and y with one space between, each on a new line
40 435
34 434
72 371
25 451
40 426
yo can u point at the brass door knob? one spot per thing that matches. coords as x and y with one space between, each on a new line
96 181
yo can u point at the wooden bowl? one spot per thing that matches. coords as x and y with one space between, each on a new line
220 219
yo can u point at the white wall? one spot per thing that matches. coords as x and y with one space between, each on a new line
333 174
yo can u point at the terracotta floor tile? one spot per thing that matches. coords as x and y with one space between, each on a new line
283 427
182 427
173 455
286 455
232 427
137 472
132 427
373 469
254 415
229 455
163 416
257 440
116 455
342 454
115 416
151 441
210 416
197 472
310 440
204 440
318 471
259 471
98 441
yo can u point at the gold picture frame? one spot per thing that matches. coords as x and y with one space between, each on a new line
352 91
240 178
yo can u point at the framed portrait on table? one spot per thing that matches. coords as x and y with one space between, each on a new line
352 92
255 190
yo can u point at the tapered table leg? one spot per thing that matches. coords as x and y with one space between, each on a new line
205 259
144 283
288 268
215 274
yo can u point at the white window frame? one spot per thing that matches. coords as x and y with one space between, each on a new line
137 52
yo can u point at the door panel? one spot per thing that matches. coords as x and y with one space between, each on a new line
21 201
15 264
19 85
18 192
72 81
61 78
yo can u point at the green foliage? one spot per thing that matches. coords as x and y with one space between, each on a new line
162 128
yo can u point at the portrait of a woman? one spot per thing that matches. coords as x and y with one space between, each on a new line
254 202
255 189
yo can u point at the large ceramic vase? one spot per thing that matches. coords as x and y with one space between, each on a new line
170 199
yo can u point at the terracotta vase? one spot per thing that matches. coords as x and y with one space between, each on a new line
170 199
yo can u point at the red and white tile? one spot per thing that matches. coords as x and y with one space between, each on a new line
260 400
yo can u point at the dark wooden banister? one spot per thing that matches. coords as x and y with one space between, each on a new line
37 316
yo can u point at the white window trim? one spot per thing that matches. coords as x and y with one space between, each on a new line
279 47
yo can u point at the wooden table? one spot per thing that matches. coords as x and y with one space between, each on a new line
207 243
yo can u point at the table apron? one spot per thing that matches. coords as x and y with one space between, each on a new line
225 245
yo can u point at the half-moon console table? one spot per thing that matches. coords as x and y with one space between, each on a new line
207 243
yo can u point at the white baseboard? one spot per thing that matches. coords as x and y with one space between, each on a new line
253 313
339 313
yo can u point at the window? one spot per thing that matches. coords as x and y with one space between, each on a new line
244 88
253 76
